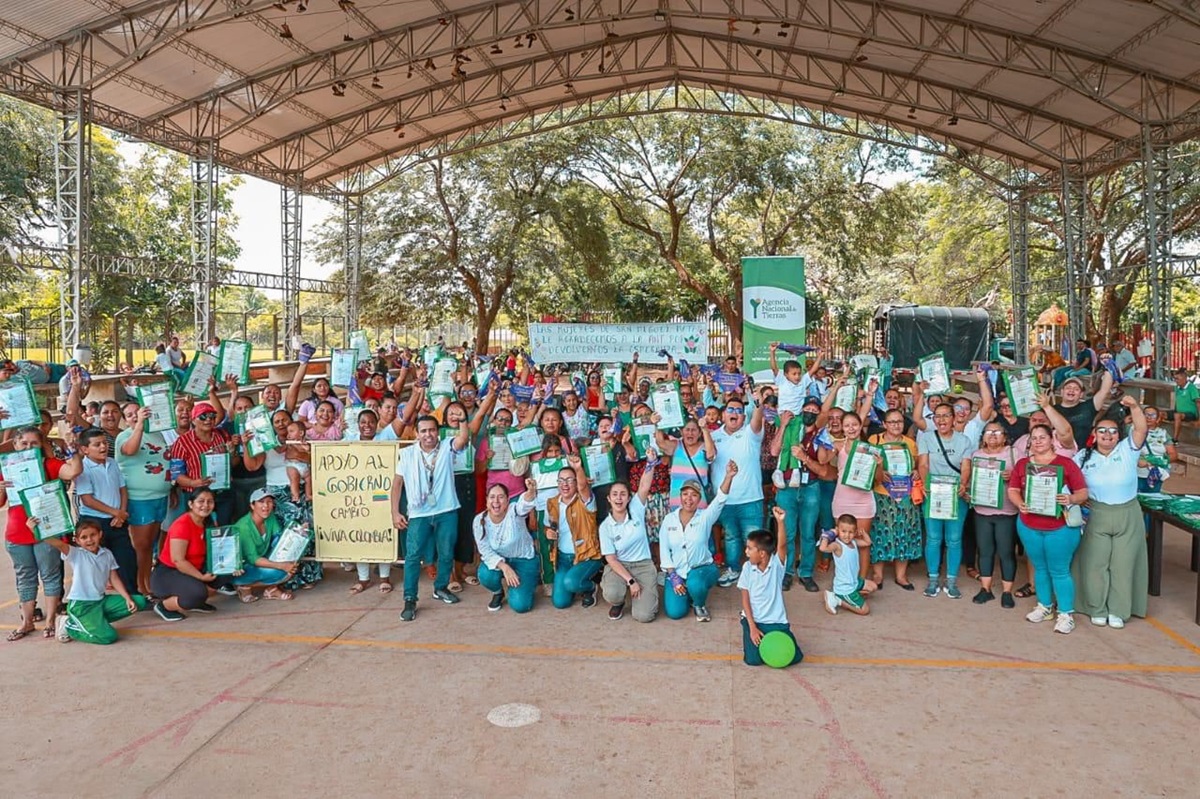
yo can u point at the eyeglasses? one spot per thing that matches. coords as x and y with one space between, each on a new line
207 417
1152 416
943 416
993 432
960 409
736 411
467 393
893 421
1110 431
566 480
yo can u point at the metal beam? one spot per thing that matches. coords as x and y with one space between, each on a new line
352 229
1018 251
1158 201
1074 203
291 208
204 239
73 171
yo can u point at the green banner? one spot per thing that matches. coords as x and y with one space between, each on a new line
772 309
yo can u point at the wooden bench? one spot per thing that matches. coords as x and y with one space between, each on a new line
1154 547
1158 393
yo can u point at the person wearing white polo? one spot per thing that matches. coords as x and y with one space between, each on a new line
684 548
630 572
427 470
741 441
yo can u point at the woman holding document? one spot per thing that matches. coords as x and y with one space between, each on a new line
995 513
1113 569
896 535
1041 486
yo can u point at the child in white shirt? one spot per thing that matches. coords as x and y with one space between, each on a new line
849 590
90 611
761 584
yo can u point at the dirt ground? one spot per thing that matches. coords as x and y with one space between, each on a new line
331 692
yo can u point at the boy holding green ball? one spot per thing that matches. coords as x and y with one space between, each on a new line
761 584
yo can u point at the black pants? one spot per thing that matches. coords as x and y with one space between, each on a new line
117 541
970 545
997 537
464 542
166 582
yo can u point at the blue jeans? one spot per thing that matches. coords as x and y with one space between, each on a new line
699 582
750 653
32 562
427 535
520 599
950 531
738 521
1051 554
571 578
803 506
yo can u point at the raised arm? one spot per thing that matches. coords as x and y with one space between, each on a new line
774 364
1138 437
292 399
780 533
986 401
1058 422
1106 384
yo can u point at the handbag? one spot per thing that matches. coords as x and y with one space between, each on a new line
1074 516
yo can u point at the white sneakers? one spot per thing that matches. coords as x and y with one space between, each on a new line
1116 622
1039 614
1064 624
1100 621
832 602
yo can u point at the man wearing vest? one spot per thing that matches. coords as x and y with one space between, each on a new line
427 470
571 526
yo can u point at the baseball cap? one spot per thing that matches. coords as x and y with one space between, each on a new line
202 408
259 494
1074 380
694 485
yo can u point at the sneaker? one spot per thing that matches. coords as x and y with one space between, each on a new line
446 596
831 602
1039 614
60 629
497 601
1100 621
1116 622
616 612
204 607
167 615
810 585
777 479
702 613
1064 624
226 590
728 577
589 599
1007 601
932 589
787 582
410 610
983 596
952 591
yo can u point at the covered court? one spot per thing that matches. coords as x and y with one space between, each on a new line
329 693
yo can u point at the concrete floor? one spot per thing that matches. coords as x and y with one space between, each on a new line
331 693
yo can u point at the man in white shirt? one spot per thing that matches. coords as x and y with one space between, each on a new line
740 442
427 470
1126 363
175 353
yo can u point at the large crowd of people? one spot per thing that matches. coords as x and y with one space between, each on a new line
764 487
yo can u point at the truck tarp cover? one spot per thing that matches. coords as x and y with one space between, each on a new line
916 331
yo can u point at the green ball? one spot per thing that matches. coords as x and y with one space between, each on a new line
777 649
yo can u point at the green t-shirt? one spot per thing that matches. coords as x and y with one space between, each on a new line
146 473
1185 398
253 544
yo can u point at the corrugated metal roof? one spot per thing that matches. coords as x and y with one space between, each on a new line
1034 84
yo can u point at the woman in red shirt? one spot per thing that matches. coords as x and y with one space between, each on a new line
179 580
1049 542
33 559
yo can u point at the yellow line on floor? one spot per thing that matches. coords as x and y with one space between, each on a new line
1174 636
9 603
481 649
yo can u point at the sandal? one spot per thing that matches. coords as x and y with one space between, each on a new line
385 586
471 579
1024 591
247 596
973 573
455 587
18 634
277 593
905 586
359 587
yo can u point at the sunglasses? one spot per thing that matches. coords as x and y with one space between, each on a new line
1112 431
208 417
736 411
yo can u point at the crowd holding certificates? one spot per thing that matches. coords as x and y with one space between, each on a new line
672 481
